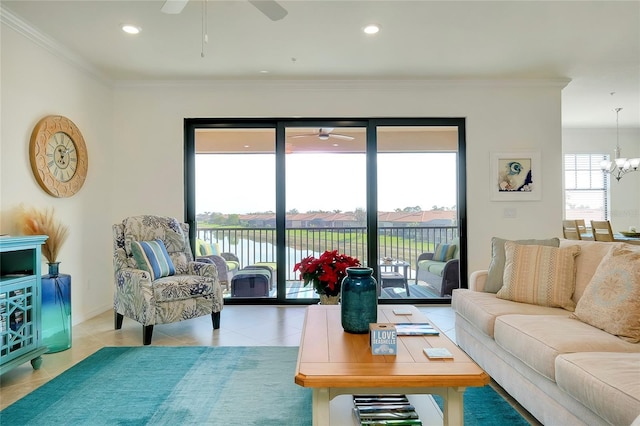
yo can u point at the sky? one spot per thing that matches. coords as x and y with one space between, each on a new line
245 183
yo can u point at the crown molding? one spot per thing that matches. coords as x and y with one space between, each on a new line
345 84
24 28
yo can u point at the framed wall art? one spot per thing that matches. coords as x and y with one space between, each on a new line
515 176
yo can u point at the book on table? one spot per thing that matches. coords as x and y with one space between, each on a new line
394 409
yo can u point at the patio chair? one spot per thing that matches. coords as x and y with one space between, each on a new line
226 263
440 270
156 279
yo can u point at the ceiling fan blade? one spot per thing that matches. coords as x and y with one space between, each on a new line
271 8
173 7
306 135
339 136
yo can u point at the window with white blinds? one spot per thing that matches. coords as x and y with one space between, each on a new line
586 187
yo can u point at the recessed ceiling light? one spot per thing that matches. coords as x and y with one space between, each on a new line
130 29
371 29
264 72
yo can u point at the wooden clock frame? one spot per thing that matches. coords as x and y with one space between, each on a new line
42 132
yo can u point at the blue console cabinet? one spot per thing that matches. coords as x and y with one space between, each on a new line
20 301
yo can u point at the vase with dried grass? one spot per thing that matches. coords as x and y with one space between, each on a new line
56 287
33 221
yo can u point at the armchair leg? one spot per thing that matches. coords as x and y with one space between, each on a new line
117 320
147 332
215 318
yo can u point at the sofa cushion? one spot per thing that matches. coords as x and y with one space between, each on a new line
540 275
180 287
538 340
591 253
611 301
481 309
498 258
152 256
606 382
444 252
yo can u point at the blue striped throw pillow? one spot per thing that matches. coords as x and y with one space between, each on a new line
152 256
444 252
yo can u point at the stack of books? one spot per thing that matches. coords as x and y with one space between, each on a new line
374 410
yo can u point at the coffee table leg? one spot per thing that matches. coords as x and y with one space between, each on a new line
321 407
453 407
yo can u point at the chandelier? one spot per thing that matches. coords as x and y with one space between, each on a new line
620 166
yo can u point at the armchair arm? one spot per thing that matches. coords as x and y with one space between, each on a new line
477 280
450 277
134 295
219 262
203 269
230 256
425 256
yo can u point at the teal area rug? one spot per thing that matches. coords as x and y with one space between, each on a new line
159 385
485 407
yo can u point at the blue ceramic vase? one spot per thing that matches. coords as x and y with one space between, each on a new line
359 300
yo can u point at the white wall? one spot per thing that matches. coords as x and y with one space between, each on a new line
625 194
134 135
501 116
34 83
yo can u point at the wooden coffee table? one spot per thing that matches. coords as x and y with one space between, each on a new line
333 362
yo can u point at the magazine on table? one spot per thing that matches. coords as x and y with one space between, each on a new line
415 329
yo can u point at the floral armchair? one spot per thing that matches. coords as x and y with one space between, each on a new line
189 289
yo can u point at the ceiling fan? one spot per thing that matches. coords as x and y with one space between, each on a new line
270 8
323 134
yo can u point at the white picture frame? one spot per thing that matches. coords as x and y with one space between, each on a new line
515 176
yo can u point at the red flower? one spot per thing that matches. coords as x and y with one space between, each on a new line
327 272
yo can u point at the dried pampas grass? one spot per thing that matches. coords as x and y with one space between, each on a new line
33 221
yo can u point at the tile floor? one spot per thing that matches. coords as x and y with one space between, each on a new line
240 326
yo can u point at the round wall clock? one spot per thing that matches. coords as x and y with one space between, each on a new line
58 156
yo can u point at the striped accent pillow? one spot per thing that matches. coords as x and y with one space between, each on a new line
539 275
152 256
444 252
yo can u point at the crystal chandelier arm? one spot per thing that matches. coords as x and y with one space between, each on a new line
620 166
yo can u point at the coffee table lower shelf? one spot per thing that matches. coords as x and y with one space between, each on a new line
426 407
324 400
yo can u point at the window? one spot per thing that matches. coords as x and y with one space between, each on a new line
586 187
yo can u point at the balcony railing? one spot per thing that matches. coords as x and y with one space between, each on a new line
252 245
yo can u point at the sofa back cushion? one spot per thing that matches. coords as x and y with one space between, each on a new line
591 254
496 267
174 235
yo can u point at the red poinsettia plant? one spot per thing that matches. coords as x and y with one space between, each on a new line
326 272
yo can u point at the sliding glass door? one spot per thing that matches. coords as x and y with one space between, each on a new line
326 196
268 192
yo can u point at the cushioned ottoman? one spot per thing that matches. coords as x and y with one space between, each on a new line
250 283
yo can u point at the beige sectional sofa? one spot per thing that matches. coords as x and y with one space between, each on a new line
563 370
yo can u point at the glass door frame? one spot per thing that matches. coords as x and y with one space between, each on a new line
280 125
